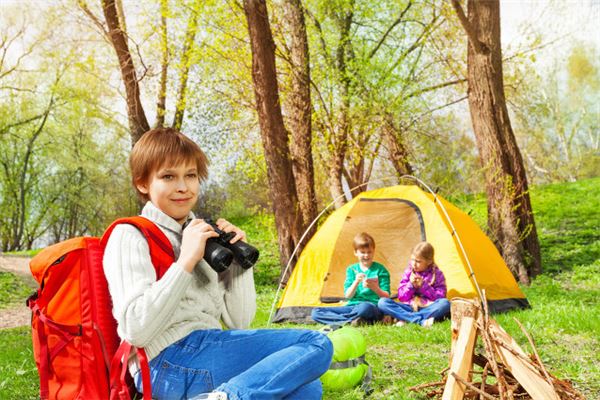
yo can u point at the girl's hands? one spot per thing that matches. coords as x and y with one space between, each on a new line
416 280
193 243
227 227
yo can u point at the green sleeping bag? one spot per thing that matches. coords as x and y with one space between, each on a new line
348 366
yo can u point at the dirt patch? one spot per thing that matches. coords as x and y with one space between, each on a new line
17 315
14 317
19 265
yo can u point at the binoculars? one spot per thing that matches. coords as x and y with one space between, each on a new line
219 253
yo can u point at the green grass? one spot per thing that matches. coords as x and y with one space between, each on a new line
23 253
564 319
13 290
18 375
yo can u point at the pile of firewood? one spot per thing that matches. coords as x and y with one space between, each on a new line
505 372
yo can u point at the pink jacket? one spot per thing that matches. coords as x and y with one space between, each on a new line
428 291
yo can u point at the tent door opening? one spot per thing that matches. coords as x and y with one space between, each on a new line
395 224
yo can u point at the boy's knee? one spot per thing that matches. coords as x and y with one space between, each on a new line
322 342
383 301
365 308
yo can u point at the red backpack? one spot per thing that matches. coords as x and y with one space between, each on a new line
75 341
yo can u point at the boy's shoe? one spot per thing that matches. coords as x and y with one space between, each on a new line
388 320
428 322
211 396
358 322
400 323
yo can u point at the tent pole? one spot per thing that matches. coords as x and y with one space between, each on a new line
455 233
314 221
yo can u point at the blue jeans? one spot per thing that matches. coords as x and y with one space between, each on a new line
439 309
245 364
341 315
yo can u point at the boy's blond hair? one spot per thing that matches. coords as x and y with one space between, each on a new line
164 147
424 250
363 240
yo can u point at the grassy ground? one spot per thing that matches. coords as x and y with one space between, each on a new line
564 319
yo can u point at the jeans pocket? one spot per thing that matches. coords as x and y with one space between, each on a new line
174 382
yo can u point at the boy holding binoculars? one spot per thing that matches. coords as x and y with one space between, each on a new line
177 319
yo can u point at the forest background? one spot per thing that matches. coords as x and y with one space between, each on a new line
388 88
392 74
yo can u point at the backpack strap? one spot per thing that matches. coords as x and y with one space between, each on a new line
161 250
162 256
118 373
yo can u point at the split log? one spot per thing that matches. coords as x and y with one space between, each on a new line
460 308
462 360
526 373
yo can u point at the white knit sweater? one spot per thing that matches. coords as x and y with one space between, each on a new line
154 314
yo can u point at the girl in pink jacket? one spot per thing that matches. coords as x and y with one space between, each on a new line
421 293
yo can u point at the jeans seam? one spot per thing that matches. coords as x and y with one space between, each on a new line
296 362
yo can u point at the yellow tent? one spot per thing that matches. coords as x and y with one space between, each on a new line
398 217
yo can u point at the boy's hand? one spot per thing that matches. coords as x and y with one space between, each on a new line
227 227
193 243
360 277
372 283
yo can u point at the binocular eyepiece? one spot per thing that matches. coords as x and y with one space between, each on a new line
219 253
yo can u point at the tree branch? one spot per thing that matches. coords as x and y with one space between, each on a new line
394 24
26 121
83 5
479 47
432 88
321 36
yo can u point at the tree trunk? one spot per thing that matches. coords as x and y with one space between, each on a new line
190 38
359 164
355 176
300 113
23 190
340 134
164 66
273 133
138 124
510 217
397 151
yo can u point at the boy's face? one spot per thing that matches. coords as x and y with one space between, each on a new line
420 264
365 256
174 190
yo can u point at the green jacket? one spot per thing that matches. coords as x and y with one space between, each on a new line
376 270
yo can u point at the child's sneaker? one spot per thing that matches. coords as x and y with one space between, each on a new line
211 396
400 323
427 323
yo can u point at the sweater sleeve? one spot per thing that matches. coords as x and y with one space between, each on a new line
141 304
239 298
406 291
